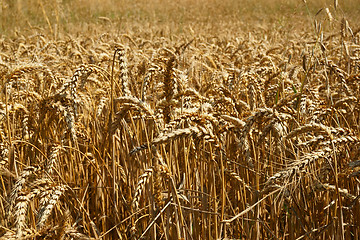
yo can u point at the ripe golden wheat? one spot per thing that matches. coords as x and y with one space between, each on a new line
180 138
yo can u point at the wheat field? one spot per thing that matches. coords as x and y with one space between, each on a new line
179 120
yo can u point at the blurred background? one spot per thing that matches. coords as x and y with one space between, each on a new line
78 15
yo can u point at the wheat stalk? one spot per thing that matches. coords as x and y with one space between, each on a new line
123 71
140 186
26 173
48 205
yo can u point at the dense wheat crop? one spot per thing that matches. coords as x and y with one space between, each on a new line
226 129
